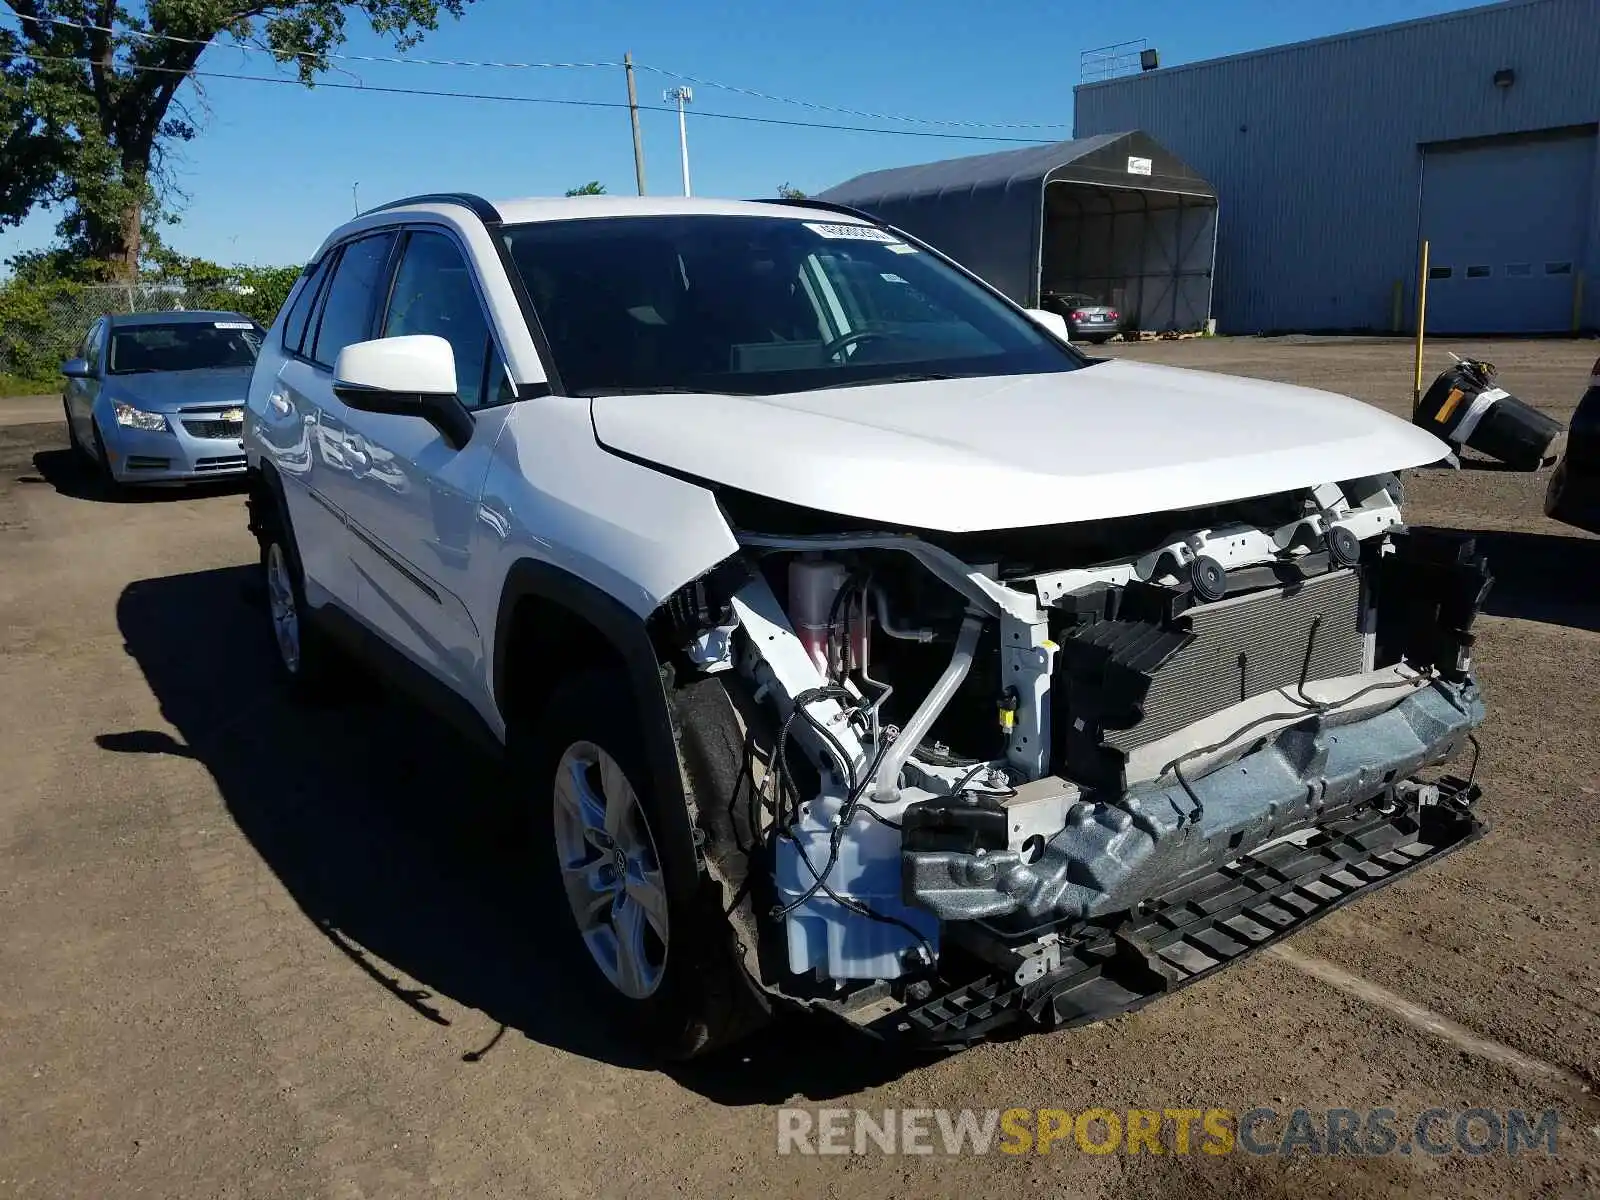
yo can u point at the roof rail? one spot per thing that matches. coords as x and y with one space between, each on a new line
824 206
480 207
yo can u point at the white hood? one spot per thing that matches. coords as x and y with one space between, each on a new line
1111 440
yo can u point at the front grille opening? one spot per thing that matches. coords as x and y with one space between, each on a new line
223 463
1250 645
214 429
144 462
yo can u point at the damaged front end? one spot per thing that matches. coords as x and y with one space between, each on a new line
954 782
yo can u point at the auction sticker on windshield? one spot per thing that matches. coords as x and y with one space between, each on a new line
850 233
233 325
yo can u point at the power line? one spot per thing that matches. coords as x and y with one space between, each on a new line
523 66
848 112
454 95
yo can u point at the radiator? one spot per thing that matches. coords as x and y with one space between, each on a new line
1248 645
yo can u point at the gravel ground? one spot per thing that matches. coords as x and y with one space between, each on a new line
251 950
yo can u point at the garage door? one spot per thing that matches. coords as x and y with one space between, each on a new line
1509 224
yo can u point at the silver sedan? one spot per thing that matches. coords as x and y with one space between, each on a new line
159 397
1089 320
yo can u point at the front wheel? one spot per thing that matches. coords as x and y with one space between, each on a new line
74 442
302 656
638 915
108 477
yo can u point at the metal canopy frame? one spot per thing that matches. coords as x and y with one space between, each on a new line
1190 255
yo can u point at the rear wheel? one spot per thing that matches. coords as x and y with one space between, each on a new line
641 919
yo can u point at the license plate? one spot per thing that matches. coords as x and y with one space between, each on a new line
1094 319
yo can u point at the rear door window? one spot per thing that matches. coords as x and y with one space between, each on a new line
94 344
352 296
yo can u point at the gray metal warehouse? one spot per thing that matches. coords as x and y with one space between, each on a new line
1116 216
1333 159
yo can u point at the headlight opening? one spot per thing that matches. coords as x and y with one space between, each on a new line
137 418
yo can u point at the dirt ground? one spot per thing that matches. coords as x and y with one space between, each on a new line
250 950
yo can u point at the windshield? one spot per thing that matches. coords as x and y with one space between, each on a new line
761 305
185 346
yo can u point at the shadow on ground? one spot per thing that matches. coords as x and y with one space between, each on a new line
403 845
1545 577
76 477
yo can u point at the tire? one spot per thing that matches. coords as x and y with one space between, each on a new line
618 868
74 442
102 461
301 652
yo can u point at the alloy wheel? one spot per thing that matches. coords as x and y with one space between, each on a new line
285 613
610 870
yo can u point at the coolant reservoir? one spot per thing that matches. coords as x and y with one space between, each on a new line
813 585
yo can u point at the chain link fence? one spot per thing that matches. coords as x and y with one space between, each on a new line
44 324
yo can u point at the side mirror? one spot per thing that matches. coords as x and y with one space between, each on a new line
1053 323
76 368
410 376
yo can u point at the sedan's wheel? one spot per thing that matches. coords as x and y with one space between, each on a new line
284 610
74 442
103 460
647 932
611 870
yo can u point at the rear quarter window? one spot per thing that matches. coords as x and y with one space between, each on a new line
294 325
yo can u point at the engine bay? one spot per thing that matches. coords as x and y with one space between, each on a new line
940 756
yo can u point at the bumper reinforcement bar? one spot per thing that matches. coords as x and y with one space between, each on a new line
1201 926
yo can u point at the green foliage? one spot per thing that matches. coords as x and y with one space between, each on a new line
786 192
15 385
88 115
257 292
50 301
32 338
593 188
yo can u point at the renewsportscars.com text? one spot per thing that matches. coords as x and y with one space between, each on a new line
1373 1132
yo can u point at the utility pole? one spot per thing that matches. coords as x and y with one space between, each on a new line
633 114
683 95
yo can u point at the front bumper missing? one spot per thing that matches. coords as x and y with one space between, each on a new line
1115 853
1198 928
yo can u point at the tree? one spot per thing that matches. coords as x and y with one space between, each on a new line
785 192
593 188
90 106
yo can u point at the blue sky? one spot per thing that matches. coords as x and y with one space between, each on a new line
271 172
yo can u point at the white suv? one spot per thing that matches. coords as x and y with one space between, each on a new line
859 644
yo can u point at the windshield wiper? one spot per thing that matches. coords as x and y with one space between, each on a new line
645 391
903 377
